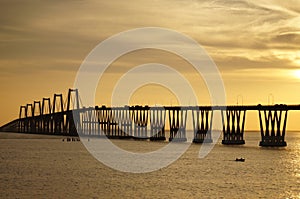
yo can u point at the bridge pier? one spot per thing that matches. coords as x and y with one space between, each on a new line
117 121
202 124
113 124
103 120
107 122
140 118
274 118
124 122
177 121
157 123
89 125
233 126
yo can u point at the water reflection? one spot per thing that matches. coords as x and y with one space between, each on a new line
293 164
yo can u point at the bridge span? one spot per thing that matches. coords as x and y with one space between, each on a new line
70 118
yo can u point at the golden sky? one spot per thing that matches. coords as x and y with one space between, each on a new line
255 44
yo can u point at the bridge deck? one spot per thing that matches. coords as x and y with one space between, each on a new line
229 107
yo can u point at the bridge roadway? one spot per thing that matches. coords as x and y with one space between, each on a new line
236 107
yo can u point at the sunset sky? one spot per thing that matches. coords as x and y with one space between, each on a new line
255 44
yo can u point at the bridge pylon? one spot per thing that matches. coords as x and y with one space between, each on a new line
177 121
37 118
46 116
58 114
272 122
233 120
157 123
202 124
23 121
72 113
29 117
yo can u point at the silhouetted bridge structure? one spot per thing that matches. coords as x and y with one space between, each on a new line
144 122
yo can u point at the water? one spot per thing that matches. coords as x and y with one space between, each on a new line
44 166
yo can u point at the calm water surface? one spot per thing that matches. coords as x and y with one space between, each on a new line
48 167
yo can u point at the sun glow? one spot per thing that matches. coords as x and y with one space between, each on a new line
296 73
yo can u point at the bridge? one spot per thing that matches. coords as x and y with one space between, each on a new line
70 118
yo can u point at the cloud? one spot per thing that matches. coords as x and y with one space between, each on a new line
290 38
38 32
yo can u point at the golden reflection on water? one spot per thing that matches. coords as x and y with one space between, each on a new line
293 162
296 160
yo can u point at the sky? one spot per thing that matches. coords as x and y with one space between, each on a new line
255 45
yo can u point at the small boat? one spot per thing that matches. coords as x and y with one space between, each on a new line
240 159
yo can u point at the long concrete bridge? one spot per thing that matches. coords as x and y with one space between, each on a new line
145 122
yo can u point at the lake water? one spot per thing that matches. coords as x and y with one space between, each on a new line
46 167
